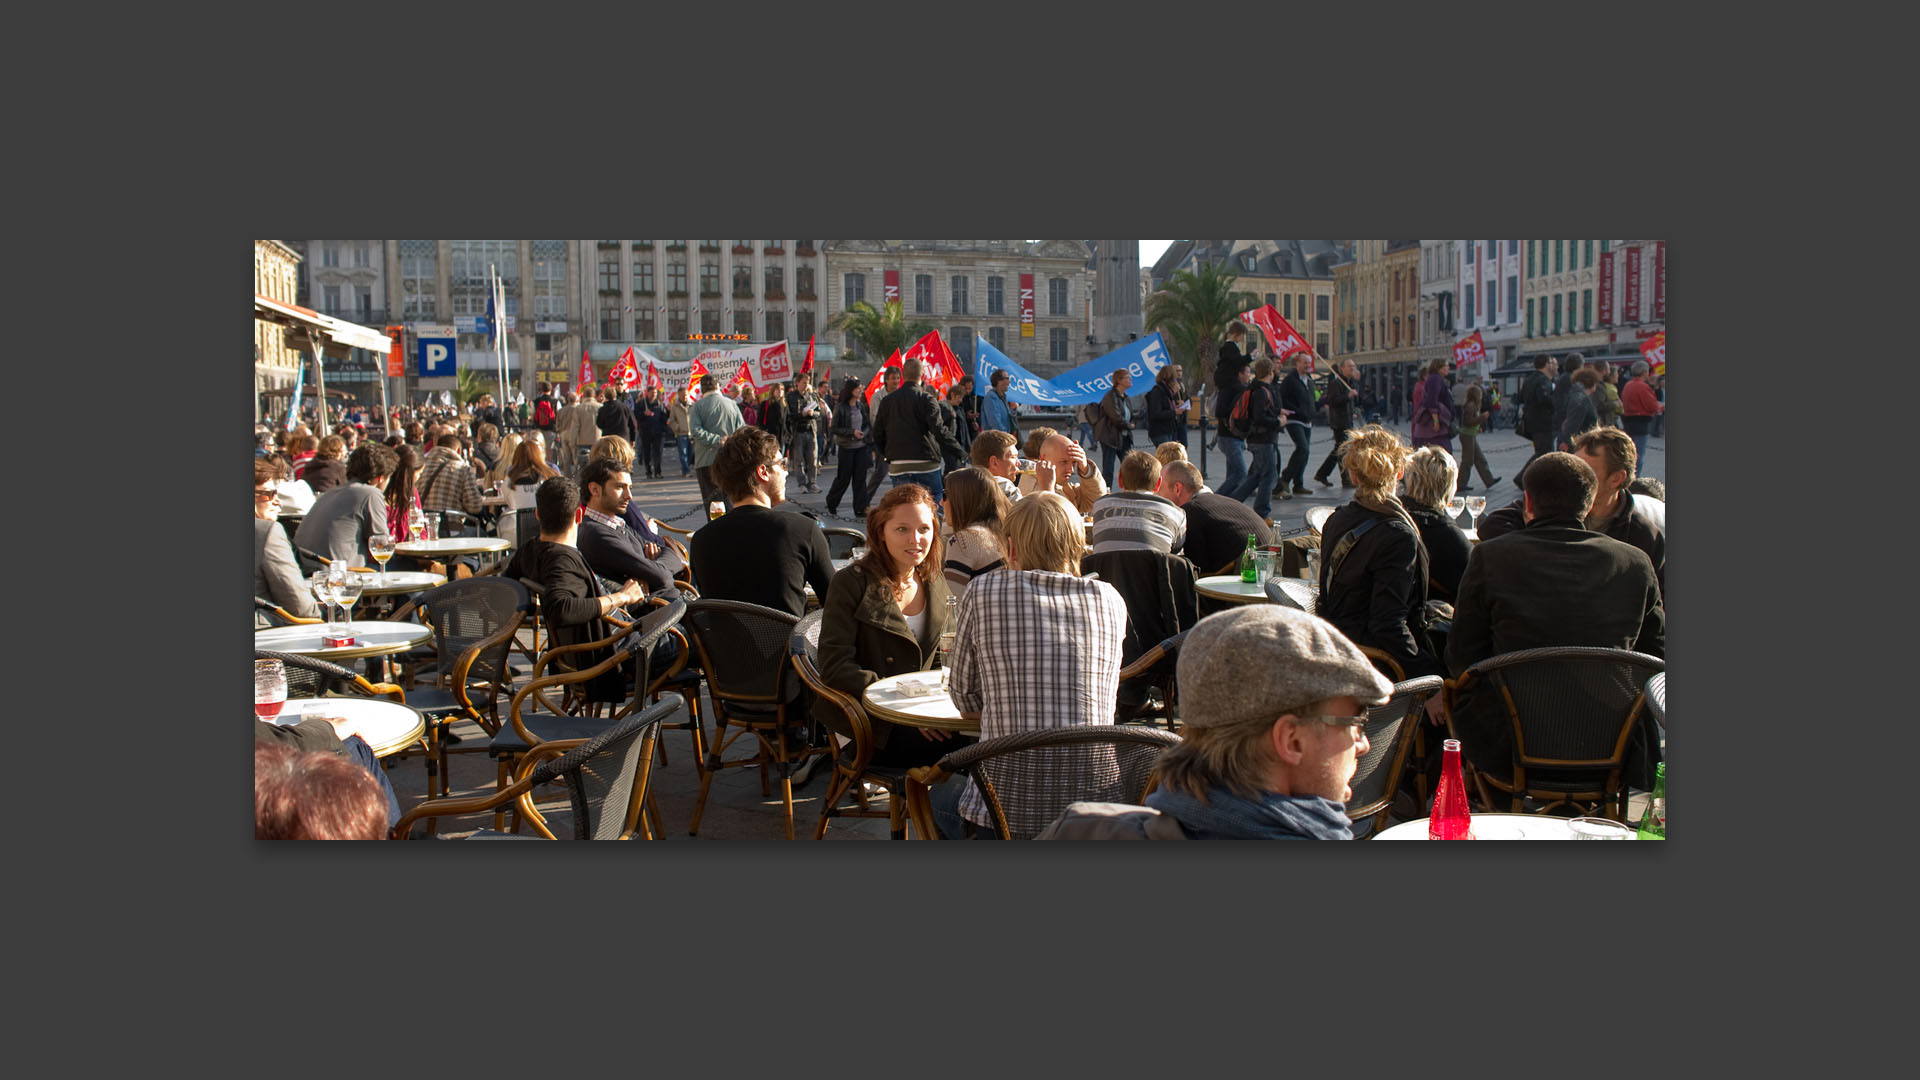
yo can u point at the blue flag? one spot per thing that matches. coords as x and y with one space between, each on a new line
1088 382
299 383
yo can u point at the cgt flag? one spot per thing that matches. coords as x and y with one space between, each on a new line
586 369
939 367
880 375
626 371
1468 349
806 366
1282 339
1655 350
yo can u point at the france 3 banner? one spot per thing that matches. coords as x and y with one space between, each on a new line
1090 381
1468 349
1282 339
1655 350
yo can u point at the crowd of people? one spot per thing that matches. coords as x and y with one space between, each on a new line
982 533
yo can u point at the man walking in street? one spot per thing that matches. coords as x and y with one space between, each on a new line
805 413
1638 407
1340 400
1536 404
1230 380
1263 428
908 430
889 382
709 422
1296 410
1114 426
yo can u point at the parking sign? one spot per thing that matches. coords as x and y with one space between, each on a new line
436 357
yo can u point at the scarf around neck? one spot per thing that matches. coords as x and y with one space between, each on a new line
1226 816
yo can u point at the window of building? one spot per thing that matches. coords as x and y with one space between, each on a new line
677 283
1300 304
709 277
1320 306
418 265
923 293
1606 246
643 324
1530 244
1573 301
743 321
643 277
331 303
996 296
851 350
958 283
853 288
1057 344
1586 308
1556 313
1320 344
776 283
960 340
803 282
1057 296
330 255
1513 247
1589 246
709 245
997 337
609 275
776 325
677 317
803 325
1350 347
742 280
549 278
1529 316
710 319
363 302
1286 305
610 318
1469 305
362 256
1558 249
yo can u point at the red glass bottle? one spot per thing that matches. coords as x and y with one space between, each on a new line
1449 819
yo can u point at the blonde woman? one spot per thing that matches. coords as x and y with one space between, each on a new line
1374 588
509 446
1169 452
1425 488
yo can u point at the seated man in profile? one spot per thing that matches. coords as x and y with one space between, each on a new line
1135 518
1274 708
993 450
1617 511
612 548
1064 469
1552 582
338 525
1217 527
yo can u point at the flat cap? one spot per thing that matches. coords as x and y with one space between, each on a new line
1266 660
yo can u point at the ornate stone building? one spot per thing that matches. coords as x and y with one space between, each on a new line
1489 287
1439 302
968 287
275 276
1295 276
1377 309
347 279
1596 297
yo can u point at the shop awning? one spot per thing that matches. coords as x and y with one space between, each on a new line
336 336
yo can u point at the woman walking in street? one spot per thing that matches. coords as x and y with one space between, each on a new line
1470 454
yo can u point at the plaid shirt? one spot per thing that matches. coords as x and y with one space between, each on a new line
448 483
1033 650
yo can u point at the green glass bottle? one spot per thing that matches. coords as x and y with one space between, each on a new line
1653 824
1247 572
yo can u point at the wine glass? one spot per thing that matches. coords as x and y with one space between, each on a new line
1455 505
1476 505
1598 828
380 546
323 593
269 688
346 593
947 634
416 523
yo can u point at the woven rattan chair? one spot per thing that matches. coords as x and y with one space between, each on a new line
1317 519
1294 593
1391 728
569 721
1575 711
474 622
853 767
743 650
841 541
1155 669
275 615
1657 700
310 677
608 779
1027 779
1386 665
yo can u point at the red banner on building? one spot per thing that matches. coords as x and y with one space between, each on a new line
1631 311
1026 305
1655 350
397 352
891 291
1660 280
1606 288
1282 339
1468 349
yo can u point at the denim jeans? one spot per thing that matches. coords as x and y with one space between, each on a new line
929 480
1296 471
1232 450
1110 460
945 801
1258 480
686 455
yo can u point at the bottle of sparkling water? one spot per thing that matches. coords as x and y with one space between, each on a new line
1653 824
1247 572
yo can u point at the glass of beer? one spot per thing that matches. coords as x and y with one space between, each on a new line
380 546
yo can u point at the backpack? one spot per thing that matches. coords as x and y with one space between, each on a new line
543 413
1240 420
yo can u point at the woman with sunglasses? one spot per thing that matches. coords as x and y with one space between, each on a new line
276 575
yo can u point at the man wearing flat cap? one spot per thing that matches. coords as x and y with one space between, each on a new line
1274 706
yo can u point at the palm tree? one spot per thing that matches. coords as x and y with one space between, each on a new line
1193 311
878 333
470 383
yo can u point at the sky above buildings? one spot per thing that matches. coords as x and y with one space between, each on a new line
1151 250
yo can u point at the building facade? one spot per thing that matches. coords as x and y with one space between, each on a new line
969 287
1377 311
1439 301
1596 297
347 279
276 276
1491 298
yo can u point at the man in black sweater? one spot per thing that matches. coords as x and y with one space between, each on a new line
911 437
1342 390
615 551
1296 404
1217 527
754 553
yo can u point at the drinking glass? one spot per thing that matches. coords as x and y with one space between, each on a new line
1455 505
1599 828
346 593
416 523
380 546
324 594
1262 568
1476 505
269 688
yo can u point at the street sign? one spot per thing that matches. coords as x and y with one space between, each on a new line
436 357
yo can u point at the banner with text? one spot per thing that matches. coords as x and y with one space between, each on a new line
1660 280
1090 381
1026 307
1468 349
1655 350
1606 289
1632 310
891 290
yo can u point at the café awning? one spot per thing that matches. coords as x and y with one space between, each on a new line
336 335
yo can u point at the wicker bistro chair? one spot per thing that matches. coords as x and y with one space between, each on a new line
1155 669
1391 728
1657 702
474 624
568 722
310 677
854 765
1579 714
1317 519
841 541
1294 593
608 779
269 614
743 650
1030 777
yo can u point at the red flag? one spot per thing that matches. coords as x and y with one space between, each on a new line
653 378
1282 339
826 377
1468 349
880 375
627 370
807 364
1655 350
940 368
694 374
586 369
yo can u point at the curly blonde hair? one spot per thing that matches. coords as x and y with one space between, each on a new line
1374 457
1431 476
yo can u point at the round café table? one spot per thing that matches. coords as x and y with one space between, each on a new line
388 727
916 700
1492 827
1230 588
401 581
453 545
375 639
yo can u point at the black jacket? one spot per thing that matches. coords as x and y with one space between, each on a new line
619 554
570 606
1562 392
1296 394
1162 421
1226 378
1376 598
1159 592
865 638
615 418
908 428
1536 397
1263 412
1339 402
1217 529
1577 415
1447 550
1631 523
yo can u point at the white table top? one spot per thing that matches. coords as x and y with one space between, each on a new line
1491 827
401 581
376 639
387 726
916 699
453 545
1230 587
